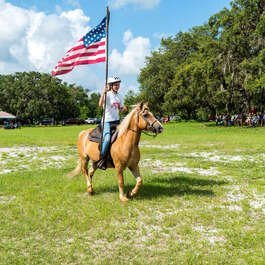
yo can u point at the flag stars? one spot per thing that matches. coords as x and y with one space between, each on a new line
95 34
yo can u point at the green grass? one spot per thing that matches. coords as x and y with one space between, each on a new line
202 200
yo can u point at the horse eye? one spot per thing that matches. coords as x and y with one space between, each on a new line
146 115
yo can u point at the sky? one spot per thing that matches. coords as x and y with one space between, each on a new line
36 34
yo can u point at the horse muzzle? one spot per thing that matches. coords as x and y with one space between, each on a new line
159 129
156 128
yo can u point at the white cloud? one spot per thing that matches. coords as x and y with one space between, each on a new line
86 77
31 40
11 29
127 36
148 4
132 59
162 35
77 22
134 88
74 3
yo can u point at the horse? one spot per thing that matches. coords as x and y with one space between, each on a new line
124 151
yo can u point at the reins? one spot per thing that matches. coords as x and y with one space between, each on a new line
148 134
133 130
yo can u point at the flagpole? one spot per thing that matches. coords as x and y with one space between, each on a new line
106 77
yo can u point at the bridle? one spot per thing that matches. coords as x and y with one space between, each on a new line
151 125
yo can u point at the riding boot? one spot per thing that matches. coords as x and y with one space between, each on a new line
102 162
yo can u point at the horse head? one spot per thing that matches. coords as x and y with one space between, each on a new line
147 120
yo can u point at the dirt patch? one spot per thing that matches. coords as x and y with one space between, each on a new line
7 199
209 234
160 166
171 146
13 159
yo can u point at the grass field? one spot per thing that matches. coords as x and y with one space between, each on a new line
202 200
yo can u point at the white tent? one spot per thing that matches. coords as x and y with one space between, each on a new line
5 115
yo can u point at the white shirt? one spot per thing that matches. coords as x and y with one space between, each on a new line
113 104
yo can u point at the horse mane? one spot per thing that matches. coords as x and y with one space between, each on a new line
123 127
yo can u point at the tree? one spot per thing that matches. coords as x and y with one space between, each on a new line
35 96
131 99
219 66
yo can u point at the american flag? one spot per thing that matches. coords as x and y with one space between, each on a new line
88 50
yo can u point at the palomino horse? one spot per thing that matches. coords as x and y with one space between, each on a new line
124 151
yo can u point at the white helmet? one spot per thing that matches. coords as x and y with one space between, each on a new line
114 79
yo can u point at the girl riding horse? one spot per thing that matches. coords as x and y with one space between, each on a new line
124 151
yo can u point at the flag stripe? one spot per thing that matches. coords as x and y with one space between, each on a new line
95 45
76 62
67 66
83 56
66 69
71 56
73 61
84 50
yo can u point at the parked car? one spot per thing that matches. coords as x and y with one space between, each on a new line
46 121
91 120
74 121
175 118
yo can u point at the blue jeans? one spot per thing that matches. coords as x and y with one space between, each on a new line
106 136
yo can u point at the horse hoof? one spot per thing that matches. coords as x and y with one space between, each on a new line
128 195
124 199
90 190
90 193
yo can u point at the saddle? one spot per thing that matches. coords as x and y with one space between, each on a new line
95 135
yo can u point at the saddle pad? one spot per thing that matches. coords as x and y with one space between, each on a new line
95 134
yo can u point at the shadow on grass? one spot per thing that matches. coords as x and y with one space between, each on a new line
151 191
212 125
173 186
154 191
190 181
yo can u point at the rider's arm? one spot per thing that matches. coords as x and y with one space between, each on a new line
101 100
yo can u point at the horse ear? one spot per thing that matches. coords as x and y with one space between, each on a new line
140 106
146 104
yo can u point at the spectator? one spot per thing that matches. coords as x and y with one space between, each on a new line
224 120
261 119
255 120
234 119
228 119
219 120
248 120
239 119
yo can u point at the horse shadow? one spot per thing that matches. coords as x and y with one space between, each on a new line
173 186
188 180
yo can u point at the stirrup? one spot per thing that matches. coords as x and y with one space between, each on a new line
102 163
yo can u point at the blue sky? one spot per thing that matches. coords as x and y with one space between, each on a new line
35 34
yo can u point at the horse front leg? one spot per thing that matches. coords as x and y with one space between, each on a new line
119 173
136 172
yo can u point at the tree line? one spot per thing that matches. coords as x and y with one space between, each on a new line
213 68
34 96
216 67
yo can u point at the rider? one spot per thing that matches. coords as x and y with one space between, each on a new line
114 103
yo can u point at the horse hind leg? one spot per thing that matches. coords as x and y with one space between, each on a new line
84 163
136 173
91 172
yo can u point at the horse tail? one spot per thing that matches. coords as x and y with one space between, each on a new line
76 171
